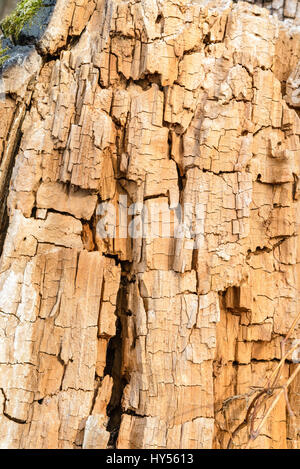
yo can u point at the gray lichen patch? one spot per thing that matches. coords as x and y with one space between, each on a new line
33 30
22 29
3 54
22 15
15 56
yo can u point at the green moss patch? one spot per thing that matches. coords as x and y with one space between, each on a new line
23 14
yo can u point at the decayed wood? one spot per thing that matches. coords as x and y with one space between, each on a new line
152 341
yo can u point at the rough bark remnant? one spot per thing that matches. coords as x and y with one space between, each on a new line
154 341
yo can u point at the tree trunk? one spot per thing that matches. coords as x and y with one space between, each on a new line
150 203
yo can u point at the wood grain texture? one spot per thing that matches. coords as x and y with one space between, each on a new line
153 342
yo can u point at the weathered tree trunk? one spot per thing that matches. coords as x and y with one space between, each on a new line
156 340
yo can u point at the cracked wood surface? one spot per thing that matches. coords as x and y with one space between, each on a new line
148 342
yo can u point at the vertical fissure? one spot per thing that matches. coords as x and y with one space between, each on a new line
115 360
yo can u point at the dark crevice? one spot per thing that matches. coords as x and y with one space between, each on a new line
64 370
114 356
13 419
181 179
206 39
88 234
295 186
68 214
33 212
4 222
145 82
114 369
112 256
261 249
156 196
97 385
134 414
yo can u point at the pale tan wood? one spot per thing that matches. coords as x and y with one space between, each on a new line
159 341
